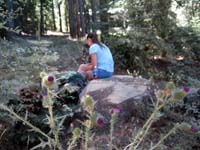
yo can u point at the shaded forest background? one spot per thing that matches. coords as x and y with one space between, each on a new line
141 33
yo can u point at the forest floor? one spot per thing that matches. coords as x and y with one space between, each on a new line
24 58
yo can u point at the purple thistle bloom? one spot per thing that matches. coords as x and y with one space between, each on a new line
50 78
115 110
100 121
44 94
194 128
186 89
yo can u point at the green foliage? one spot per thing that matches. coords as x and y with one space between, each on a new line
148 54
5 13
186 110
135 51
169 95
195 23
29 102
149 28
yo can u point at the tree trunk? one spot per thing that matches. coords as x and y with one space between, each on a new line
10 20
41 17
82 18
163 26
53 15
86 17
72 18
66 16
78 21
60 17
148 6
94 17
199 9
104 17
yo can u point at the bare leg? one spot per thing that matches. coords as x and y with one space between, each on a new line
89 75
84 67
85 70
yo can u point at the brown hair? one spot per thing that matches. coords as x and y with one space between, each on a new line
94 38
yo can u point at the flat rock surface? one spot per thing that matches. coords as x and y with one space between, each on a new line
128 93
116 89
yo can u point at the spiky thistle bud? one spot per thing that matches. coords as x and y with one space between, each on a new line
179 95
76 133
43 74
170 85
88 103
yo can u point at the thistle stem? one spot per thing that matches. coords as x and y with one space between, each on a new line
25 121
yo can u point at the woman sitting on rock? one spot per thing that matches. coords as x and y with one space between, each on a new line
102 64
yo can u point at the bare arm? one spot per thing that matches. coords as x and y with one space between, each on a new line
93 60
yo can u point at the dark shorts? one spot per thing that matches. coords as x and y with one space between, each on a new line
103 73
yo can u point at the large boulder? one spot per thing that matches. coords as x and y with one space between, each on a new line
131 94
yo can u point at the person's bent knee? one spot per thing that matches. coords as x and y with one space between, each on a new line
81 68
89 75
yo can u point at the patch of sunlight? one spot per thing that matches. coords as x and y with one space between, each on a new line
26 34
180 57
57 17
116 31
49 32
73 39
181 14
120 2
115 10
156 57
41 42
118 6
158 37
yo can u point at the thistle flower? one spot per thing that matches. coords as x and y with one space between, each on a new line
186 89
97 119
115 110
48 81
194 128
50 78
100 121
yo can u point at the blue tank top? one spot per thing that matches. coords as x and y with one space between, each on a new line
104 57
